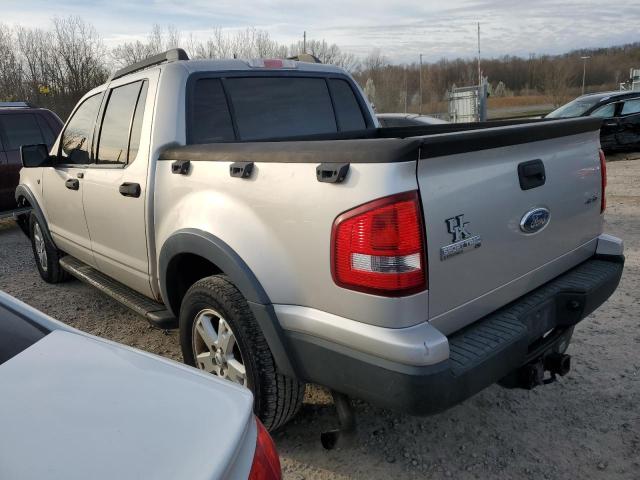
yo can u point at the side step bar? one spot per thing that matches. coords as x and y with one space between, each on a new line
14 213
153 311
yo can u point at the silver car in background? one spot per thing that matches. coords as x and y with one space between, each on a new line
74 406
407 120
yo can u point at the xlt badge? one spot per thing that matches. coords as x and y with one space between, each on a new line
461 237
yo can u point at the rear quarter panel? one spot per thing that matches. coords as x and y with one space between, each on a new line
279 222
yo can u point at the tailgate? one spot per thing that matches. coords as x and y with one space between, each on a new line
495 230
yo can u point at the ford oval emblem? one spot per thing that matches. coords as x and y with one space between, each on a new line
535 220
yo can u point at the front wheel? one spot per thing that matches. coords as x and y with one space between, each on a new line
220 335
46 254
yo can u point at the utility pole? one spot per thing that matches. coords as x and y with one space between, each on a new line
584 71
406 92
304 42
479 69
420 109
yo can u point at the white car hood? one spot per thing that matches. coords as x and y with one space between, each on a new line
77 407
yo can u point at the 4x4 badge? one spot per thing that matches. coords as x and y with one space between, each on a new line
462 238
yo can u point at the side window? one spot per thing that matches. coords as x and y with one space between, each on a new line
113 145
47 133
210 120
136 125
346 106
631 106
606 111
20 129
76 138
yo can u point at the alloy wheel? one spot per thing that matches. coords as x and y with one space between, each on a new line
41 248
215 348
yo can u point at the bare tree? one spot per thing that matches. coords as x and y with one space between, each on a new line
160 39
11 72
326 53
557 81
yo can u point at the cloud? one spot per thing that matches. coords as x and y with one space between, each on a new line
401 30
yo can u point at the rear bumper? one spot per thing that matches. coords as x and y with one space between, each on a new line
478 355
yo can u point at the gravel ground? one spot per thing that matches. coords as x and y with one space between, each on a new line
587 425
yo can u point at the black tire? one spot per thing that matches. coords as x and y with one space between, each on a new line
49 265
24 223
277 398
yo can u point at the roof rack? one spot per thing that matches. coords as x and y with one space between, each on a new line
15 105
168 56
305 57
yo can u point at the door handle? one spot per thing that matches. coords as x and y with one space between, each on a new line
130 189
610 124
72 184
531 174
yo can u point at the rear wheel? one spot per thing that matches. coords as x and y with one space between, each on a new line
47 256
220 335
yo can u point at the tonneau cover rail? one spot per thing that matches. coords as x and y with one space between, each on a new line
385 145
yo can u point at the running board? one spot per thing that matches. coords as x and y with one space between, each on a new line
14 214
153 311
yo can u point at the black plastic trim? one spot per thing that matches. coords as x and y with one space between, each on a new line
207 245
168 56
481 354
385 145
23 191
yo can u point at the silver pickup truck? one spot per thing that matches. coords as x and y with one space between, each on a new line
259 207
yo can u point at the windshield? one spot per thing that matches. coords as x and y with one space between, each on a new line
574 109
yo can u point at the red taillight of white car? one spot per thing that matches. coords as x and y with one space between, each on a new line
379 247
266 463
603 177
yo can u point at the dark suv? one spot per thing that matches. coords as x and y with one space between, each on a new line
620 113
21 124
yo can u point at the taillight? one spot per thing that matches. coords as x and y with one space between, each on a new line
379 247
266 463
603 179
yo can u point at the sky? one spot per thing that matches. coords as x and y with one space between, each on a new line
401 30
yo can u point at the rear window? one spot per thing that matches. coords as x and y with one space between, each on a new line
348 111
280 107
20 129
259 108
16 334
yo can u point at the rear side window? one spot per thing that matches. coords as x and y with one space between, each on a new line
606 111
76 138
268 107
136 126
347 108
20 129
117 124
631 106
47 133
210 117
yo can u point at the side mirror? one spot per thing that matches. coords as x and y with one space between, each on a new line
33 156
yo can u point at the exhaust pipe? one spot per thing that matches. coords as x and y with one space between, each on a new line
558 363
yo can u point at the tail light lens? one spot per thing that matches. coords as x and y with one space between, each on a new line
603 177
379 247
266 463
